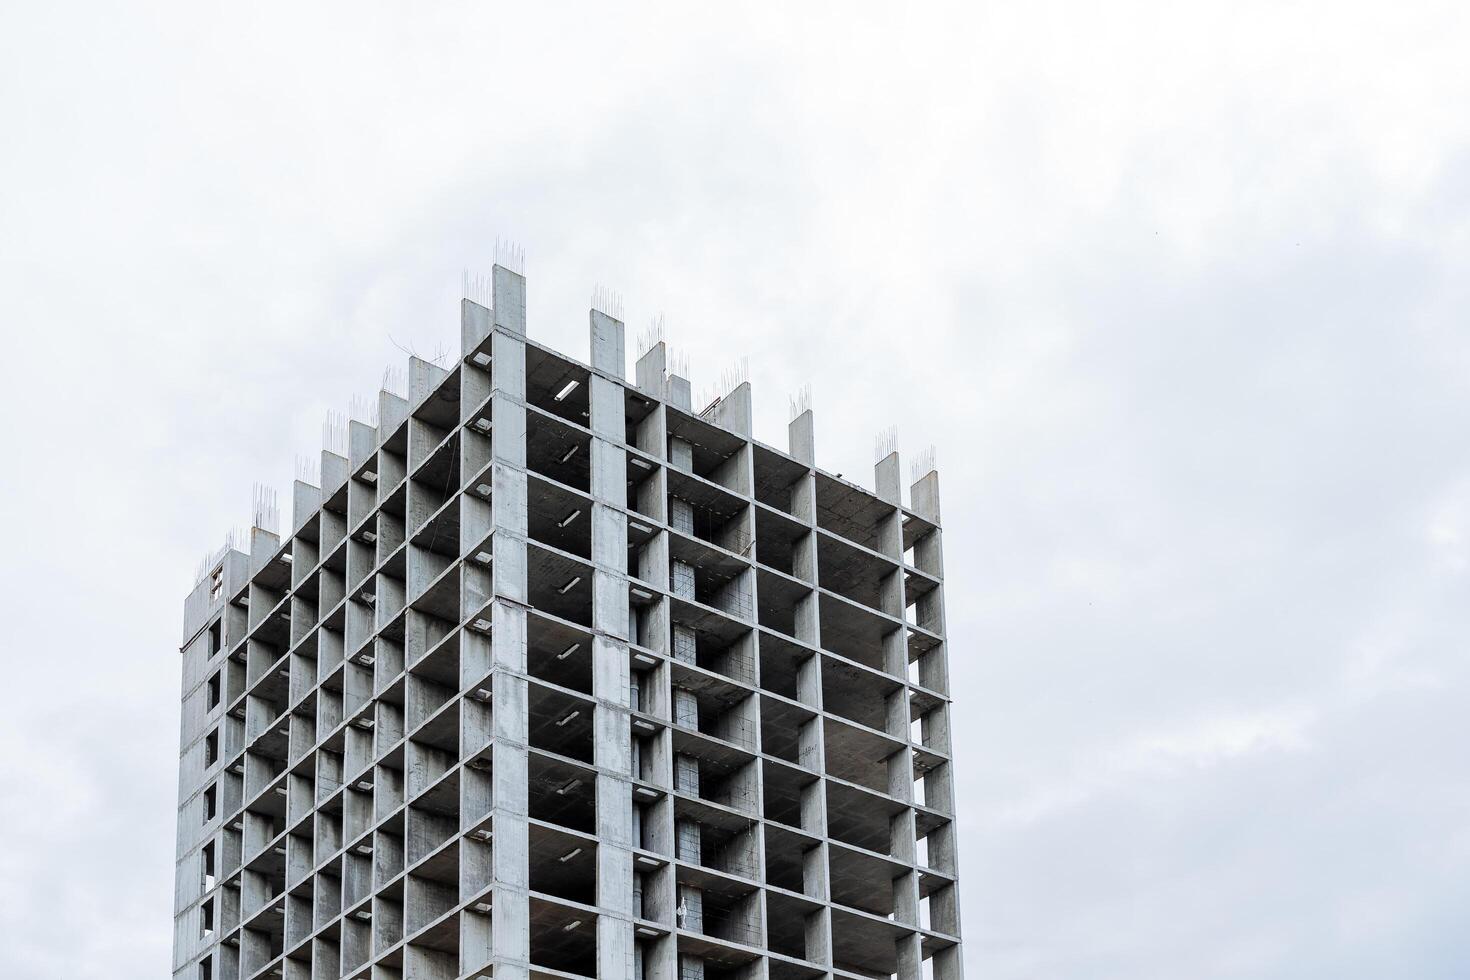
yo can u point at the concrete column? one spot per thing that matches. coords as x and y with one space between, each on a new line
475 324
949 964
612 750
816 871
305 499
508 448
910 950
924 496
608 354
333 472
423 378
680 395
651 370
392 412
511 919
509 299
887 481
801 438
733 412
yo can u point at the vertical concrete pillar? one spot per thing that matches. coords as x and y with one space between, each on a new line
612 748
508 451
511 919
910 950
475 324
887 481
949 964
423 377
801 438
392 412
305 499
651 370
333 472
680 395
608 354
924 496
816 873
733 412
508 291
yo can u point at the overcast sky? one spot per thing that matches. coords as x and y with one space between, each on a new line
1178 290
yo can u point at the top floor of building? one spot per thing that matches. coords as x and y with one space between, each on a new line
440 431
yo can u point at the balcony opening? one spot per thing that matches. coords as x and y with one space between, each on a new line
562 793
643 487
563 938
558 386
558 452
711 515
562 865
722 584
709 651
559 722
789 922
708 451
777 479
720 908
558 517
853 513
783 792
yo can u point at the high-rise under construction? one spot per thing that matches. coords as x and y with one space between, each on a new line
554 675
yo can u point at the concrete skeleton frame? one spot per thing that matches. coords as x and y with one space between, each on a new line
553 676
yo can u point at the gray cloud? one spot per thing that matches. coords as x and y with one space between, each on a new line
1177 290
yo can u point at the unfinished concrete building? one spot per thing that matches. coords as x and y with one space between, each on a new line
555 676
